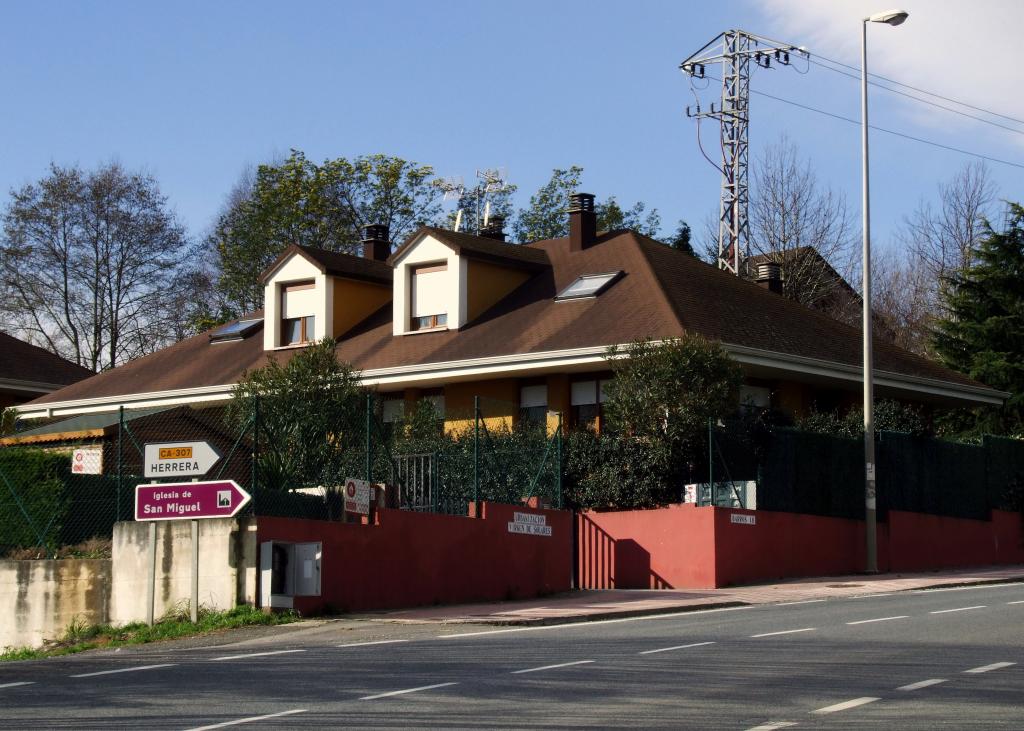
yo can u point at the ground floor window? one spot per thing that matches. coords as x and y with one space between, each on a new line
533 404
587 398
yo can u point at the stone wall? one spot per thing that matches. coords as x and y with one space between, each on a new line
39 599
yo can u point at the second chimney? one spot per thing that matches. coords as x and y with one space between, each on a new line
582 221
769 276
495 228
375 242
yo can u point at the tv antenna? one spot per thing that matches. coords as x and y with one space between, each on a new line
734 49
453 189
492 180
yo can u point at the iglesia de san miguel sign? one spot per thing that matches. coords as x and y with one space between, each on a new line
189 500
179 459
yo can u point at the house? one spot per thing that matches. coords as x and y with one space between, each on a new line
449 316
28 371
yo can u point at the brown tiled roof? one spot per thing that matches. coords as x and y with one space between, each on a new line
662 293
336 264
20 361
479 247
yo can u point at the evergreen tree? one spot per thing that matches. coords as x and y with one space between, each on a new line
981 332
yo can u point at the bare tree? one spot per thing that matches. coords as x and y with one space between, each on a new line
804 226
86 259
901 300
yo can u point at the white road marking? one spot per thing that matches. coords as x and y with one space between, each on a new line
868 596
972 587
570 625
773 725
805 601
923 684
375 642
250 719
14 685
1018 602
407 690
254 654
958 609
677 647
551 667
785 632
845 705
993 666
879 619
123 670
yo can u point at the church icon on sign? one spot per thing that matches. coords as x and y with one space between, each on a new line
224 498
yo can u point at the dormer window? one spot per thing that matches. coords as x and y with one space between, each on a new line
298 305
588 285
430 296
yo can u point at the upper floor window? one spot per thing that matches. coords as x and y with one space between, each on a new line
588 285
298 303
430 297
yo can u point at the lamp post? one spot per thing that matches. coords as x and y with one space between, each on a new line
890 17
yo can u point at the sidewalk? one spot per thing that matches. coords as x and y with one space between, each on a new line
589 605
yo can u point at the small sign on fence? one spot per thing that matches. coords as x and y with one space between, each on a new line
357 496
743 519
529 523
87 461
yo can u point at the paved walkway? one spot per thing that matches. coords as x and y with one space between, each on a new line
592 605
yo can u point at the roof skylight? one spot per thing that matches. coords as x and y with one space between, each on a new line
235 331
588 285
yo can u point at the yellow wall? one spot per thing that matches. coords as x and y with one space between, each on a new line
499 404
558 401
487 284
354 301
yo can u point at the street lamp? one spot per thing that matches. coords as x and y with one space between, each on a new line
890 17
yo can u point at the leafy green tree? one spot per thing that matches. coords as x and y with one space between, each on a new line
309 417
680 240
981 332
544 216
612 217
323 206
889 416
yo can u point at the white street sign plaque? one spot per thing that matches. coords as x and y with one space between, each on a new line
180 459
357 496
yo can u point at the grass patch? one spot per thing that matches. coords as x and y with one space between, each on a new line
173 625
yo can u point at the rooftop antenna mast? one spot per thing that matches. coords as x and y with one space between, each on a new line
492 180
453 189
734 49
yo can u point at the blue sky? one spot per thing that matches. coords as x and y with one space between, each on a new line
192 92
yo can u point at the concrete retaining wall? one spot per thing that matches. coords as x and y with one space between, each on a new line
227 568
39 599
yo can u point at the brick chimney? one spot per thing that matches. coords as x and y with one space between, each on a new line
495 228
582 221
375 242
769 276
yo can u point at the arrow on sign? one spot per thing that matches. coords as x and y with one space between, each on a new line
179 459
189 500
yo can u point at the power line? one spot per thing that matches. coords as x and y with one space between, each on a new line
922 91
923 101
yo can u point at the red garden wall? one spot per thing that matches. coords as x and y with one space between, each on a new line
686 547
409 559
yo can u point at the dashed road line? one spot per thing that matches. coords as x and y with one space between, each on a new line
406 691
1017 602
868 596
878 619
785 632
374 642
923 684
805 601
845 705
676 647
254 654
552 667
250 719
123 670
772 726
989 668
958 609
15 685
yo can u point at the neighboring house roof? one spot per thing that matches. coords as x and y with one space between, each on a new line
31 368
79 427
663 293
479 247
335 264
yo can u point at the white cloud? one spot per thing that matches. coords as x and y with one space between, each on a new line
964 49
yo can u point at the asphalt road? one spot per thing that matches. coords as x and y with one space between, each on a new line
951 658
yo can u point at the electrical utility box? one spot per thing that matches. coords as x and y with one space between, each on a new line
288 570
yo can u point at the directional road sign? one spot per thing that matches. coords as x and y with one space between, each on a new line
189 500
180 459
